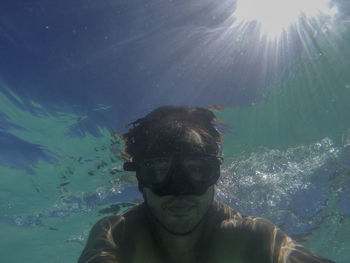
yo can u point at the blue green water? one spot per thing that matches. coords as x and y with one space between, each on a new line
286 152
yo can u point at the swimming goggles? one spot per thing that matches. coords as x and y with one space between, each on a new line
177 173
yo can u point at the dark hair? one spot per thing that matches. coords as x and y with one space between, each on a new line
161 127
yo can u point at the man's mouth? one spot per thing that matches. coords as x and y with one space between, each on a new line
180 210
180 207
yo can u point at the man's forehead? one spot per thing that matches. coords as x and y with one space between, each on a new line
192 137
189 142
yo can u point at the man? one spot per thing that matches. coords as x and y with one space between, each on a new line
175 153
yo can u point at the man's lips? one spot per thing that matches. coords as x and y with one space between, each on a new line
180 208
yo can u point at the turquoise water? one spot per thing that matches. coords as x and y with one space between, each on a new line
286 157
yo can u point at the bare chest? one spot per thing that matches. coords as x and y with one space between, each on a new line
148 253
151 253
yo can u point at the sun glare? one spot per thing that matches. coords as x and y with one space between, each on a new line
275 16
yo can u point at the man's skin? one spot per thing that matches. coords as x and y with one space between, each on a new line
189 228
222 236
179 222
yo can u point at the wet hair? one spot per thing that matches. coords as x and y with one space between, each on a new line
158 131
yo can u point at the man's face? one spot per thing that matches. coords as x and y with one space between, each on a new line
179 214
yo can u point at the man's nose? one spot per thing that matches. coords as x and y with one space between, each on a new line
179 180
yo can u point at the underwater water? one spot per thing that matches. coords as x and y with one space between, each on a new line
68 87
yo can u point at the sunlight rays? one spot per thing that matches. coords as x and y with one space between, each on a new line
276 16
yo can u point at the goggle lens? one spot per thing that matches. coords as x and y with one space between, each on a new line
156 170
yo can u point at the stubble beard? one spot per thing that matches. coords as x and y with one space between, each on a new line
181 224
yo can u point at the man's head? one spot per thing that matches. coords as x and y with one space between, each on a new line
175 152
160 130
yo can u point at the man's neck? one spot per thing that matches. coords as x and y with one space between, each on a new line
179 240
177 247
180 248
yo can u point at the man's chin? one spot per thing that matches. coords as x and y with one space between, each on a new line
180 225
180 231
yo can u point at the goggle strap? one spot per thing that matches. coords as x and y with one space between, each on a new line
130 166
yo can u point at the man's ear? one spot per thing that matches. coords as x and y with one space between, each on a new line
141 189
143 194
214 188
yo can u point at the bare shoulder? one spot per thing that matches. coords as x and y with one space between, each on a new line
131 216
237 237
252 231
231 220
108 239
255 239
